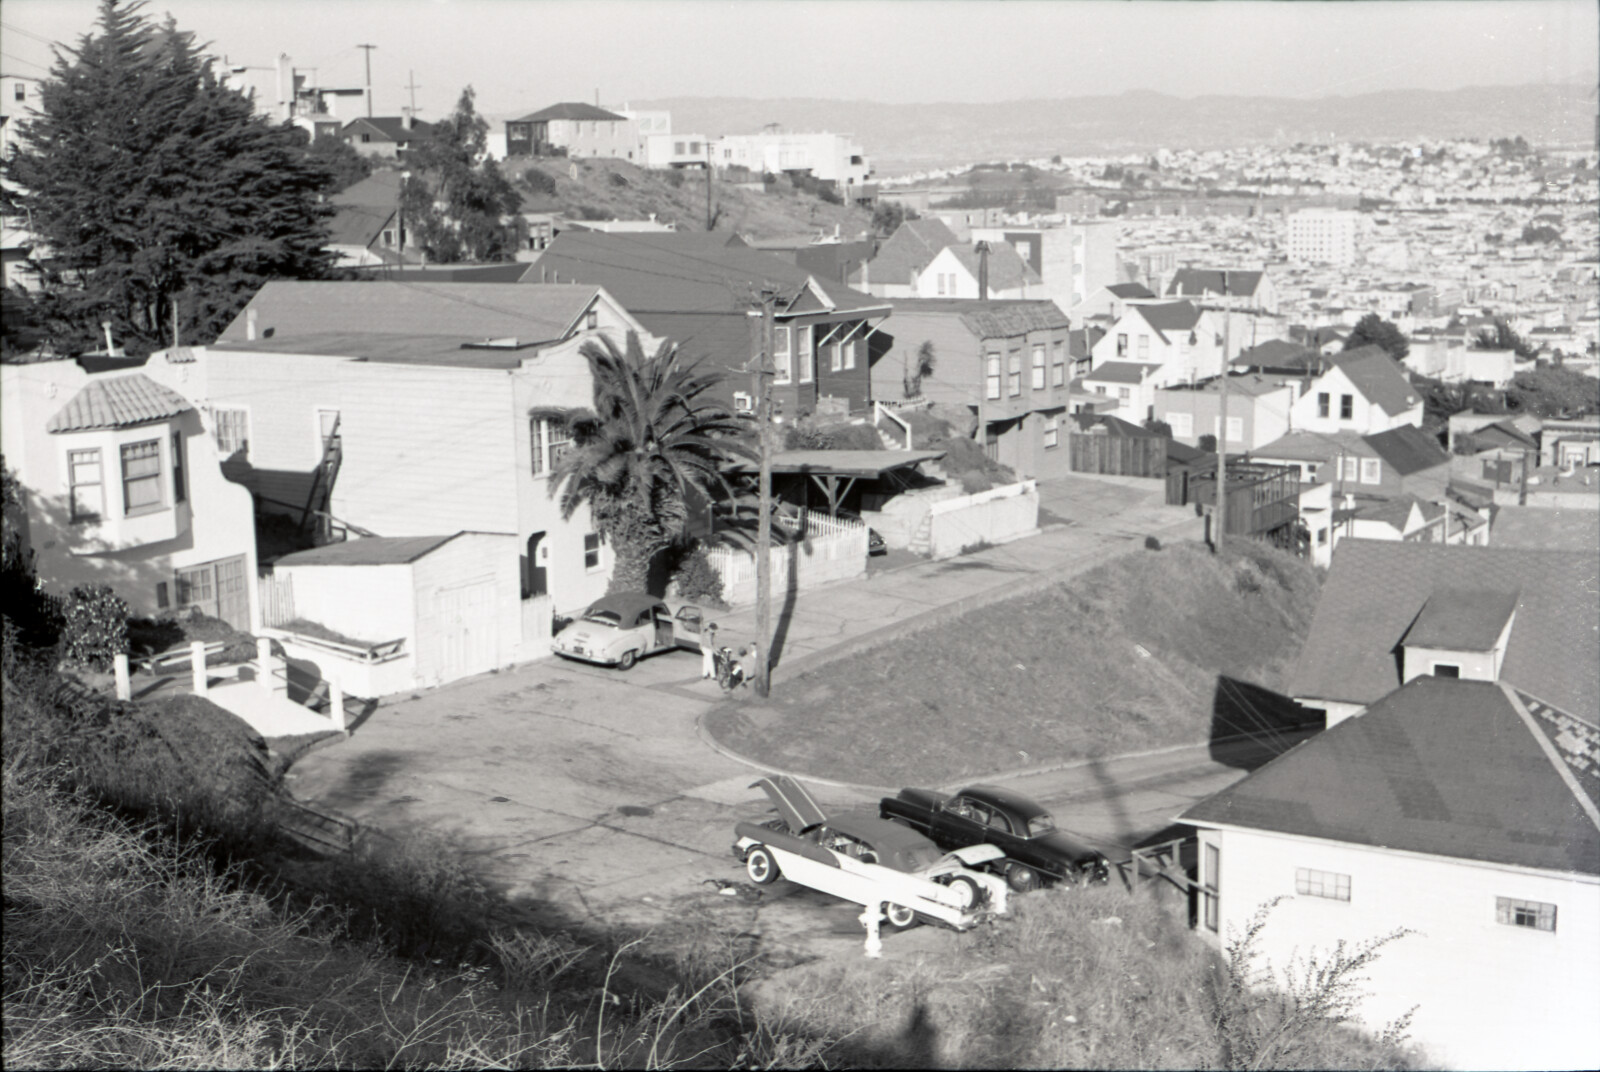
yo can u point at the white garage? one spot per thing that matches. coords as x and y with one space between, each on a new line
404 611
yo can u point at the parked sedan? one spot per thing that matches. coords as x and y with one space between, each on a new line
1035 851
623 628
860 857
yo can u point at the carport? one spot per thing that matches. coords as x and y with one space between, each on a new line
835 472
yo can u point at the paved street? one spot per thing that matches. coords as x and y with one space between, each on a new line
587 794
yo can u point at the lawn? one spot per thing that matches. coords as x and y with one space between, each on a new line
1123 658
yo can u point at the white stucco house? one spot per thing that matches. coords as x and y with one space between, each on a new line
1464 812
124 487
1185 340
1363 390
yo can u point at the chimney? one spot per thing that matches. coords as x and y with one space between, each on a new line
410 120
111 347
983 271
250 324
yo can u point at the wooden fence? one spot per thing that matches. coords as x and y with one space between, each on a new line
1111 455
277 599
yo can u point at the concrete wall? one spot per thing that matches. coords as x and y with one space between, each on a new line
370 603
1488 995
996 516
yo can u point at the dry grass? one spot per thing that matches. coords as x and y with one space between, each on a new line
1122 658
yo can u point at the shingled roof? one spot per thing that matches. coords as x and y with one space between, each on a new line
572 110
1007 269
1375 590
908 251
1378 377
1198 282
1408 449
117 402
1465 769
1170 316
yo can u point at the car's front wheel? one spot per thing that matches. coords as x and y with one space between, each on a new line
900 917
1022 879
761 867
627 660
967 890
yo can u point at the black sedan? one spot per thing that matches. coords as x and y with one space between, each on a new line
1036 852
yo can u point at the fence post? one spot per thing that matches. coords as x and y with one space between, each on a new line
119 666
197 665
871 915
336 704
264 675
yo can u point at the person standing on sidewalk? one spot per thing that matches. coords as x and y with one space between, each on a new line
708 652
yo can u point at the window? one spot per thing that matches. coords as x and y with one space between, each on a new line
1099 388
1124 393
850 352
1327 884
802 353
548 441
1182 424
388 237
1122 344
835 356
1235 428
678 148
20 91
1349 468
1535 915
88 492
1058 365
591 319
231 429
1038 368
939 281
1014 373
1446 670
1052 433
1322 537
991 387
1371 471
1144 347
743 403
1322 403
163 601
783 373
1347 407
141 476
1211 882
179 492
591 552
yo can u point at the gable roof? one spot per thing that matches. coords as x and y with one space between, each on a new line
1197 282
664 274
992 318
1007 269
1376 588
1316 446
392 127
370 551
571 110
1121 372
117 402
380 190
466 312
1169 316
357 225
913 244
1408 449
1378 377
1444 767
1462 619
1130 290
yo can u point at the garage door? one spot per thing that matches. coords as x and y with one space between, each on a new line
459 631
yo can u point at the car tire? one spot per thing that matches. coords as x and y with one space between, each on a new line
972 895
761 867
899 916
627 660
1022 879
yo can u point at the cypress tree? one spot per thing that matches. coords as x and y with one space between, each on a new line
151 186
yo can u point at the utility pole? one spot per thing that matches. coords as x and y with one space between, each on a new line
368 49
709 217
761 388
1221 512
411 85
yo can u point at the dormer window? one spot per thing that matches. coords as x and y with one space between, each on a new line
1459 633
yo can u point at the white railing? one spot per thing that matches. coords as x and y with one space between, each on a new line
880 409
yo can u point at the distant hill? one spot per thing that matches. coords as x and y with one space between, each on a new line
908 137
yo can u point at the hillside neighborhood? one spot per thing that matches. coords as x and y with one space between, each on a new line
505 512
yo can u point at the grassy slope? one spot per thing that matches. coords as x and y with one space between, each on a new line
1058 674
641 193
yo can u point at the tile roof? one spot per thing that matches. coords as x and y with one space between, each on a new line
1378 377
117 402
465 311
1121 372
1462 619
371 551
1408 449
913 244
1444 767
1171 316
571 110
1375 589
1197 282
666 274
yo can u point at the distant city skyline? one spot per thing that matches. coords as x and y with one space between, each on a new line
523 54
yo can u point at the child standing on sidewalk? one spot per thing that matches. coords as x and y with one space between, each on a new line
708 652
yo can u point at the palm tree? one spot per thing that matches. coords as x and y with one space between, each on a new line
652 435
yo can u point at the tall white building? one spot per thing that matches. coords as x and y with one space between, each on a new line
1322 236
832 158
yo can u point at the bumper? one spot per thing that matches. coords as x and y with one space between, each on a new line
594 660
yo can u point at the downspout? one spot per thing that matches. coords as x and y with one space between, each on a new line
983 271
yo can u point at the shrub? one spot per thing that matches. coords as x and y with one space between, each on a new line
973 548
619 180
799 437
854 437
974 481
95 627
696 580
673 177
539 182
1152 544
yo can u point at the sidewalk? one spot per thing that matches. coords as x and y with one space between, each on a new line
1085 521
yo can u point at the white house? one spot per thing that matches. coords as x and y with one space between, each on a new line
1184 340
1131 384
397 411
1362 391
1258 410
123 486
1463 812
831 158
959 271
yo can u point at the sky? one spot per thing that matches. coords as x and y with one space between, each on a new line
520 55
